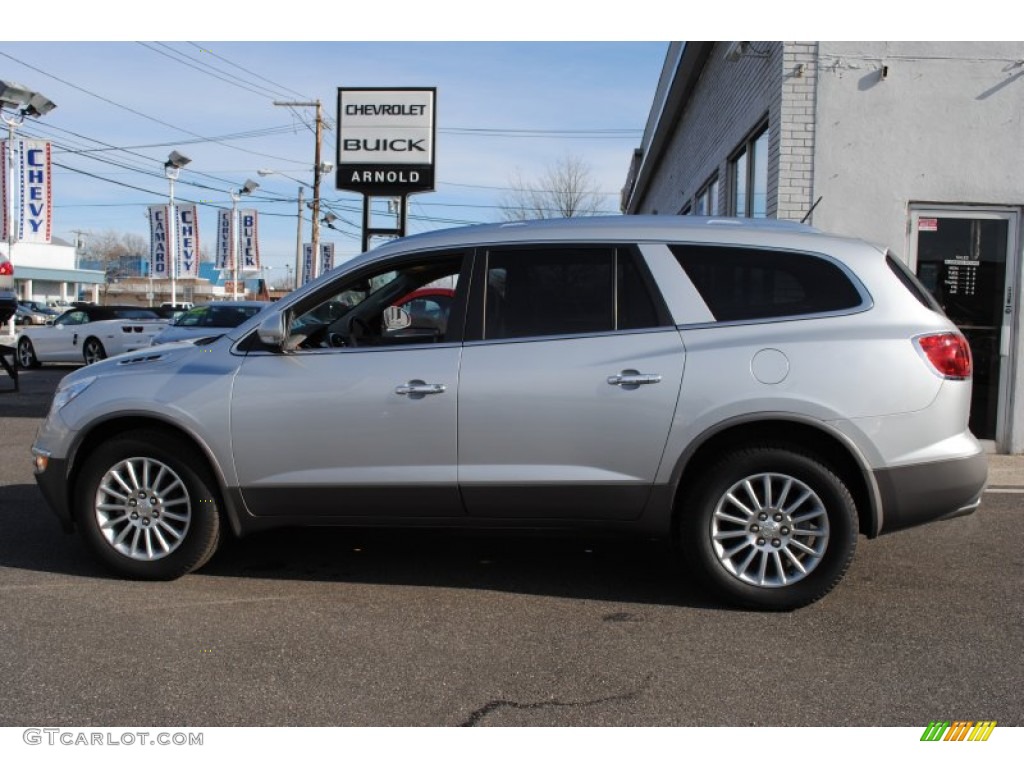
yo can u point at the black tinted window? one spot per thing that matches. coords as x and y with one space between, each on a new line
748 284
562 291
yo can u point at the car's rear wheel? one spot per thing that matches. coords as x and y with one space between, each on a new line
93 351
27 354
146 509
769 527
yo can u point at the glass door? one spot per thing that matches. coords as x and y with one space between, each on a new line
965 257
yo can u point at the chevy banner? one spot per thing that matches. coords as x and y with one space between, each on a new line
36 219
248 238
34 191
188 240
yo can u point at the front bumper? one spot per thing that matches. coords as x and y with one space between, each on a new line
53 482
939 490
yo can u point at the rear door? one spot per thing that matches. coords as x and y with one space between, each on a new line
569 383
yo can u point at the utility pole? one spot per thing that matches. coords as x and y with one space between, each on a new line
317 172
298 240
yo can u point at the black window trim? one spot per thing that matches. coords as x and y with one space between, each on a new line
867 302
474 328
251 343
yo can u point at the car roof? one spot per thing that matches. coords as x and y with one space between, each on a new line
612 229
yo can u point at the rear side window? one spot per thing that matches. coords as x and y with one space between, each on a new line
911 283
754 284
565 291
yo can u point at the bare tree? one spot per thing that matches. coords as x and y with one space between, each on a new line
118 254
566 189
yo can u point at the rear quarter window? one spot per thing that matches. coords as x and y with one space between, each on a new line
756 284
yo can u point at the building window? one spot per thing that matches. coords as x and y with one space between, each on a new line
748 176
706 203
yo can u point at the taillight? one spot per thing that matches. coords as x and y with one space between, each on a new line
6 268
948 353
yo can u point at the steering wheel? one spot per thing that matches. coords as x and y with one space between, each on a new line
357 329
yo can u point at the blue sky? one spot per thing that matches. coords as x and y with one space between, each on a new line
148 98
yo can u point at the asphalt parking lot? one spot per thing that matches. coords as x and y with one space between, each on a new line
353 627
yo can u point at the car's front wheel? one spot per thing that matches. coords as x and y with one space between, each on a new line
769 527
27 354
146 508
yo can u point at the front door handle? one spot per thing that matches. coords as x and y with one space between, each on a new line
633 379
420 388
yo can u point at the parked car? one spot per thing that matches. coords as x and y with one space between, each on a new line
210 319
87 334
29 313
759 393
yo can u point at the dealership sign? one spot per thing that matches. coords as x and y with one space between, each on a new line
386 140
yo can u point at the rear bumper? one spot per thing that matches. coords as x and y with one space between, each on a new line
939 490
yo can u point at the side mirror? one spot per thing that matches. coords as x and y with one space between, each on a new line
273 331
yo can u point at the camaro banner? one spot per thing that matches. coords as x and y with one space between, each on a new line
160 265
248 239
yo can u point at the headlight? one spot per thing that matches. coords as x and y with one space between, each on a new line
66 394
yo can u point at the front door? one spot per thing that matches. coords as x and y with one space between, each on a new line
966 259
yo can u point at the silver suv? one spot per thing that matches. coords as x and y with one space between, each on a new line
760 392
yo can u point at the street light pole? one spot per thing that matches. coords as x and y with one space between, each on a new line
249 187
318 170
172 168
22 102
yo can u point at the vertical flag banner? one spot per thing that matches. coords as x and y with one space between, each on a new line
248 237
225 243
159 259
308 263
35 221
4 192
188 240
326 257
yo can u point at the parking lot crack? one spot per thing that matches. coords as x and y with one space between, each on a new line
499 704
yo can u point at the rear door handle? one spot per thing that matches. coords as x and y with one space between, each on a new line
417 387
633 379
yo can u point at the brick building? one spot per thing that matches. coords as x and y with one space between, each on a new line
918 146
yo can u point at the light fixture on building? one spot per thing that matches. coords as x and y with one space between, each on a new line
737 50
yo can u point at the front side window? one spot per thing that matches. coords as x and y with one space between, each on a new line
564 291
379 308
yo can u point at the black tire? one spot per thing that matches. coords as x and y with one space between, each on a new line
156 541
769 527
27 354
93 351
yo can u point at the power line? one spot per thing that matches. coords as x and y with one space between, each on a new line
138 113
247 71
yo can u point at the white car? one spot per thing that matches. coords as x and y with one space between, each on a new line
88 333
